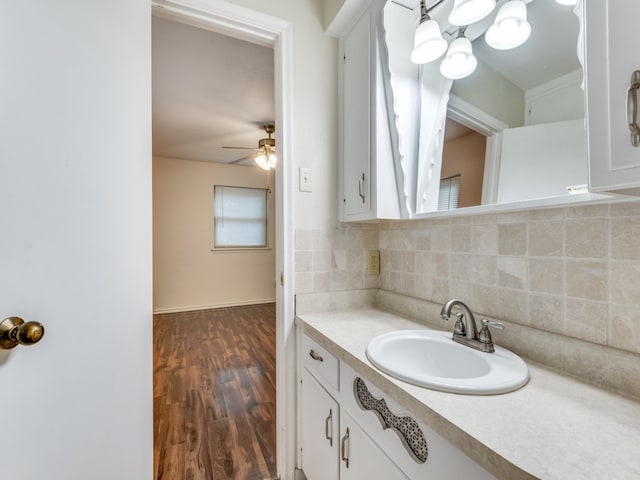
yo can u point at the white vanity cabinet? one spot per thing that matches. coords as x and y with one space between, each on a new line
332 445
319 439
360 457
367 185
342 435
610 29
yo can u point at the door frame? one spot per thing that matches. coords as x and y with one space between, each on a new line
472 117
243 23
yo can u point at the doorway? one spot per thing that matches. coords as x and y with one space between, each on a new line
262 29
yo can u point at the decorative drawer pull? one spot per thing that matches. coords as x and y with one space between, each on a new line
406 427
328 426
315 356
343 448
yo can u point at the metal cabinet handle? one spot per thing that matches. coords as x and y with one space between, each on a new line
14 331
343 448
632 108
361 188
329 426
315 356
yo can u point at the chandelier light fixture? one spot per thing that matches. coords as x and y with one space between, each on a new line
509 30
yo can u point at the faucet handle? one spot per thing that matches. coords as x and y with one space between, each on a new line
485 335
489 323
458 328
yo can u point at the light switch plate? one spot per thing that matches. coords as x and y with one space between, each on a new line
304 179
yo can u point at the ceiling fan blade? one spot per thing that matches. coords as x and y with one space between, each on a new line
251 156
242 148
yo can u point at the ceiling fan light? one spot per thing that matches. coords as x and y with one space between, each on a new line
272 160
262 161
510 28
567 2
460 61
428 43
466 12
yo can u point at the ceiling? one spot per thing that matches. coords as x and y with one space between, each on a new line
209 91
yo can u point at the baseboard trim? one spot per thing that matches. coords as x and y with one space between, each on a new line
193 308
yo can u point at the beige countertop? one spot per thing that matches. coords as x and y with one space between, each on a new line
554 427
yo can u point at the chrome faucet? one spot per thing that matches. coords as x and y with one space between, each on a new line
465 330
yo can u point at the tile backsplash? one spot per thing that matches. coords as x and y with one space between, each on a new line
573 270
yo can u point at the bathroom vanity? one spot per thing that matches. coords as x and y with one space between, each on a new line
351 429
553 428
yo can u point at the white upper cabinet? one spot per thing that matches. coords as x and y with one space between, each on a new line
611 58
356 121
368 169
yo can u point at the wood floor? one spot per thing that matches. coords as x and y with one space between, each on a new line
214 394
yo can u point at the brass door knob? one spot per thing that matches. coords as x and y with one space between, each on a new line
14 331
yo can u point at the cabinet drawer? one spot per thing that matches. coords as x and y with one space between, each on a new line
320 363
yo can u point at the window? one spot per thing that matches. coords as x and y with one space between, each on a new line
240 217
449 190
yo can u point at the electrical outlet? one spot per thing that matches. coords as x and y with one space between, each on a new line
373 262
304 179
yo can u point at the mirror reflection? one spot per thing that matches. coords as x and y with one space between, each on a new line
514 126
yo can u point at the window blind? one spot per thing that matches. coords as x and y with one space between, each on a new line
240 217
449 192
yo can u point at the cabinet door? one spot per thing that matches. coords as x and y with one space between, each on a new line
610 34
319 431
360 457
356 121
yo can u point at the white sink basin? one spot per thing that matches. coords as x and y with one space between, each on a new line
431 359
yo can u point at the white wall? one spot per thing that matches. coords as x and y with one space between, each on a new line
555 101
315 106
541 160
492 93
187 275
75 216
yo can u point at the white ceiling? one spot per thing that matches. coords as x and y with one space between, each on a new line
209 91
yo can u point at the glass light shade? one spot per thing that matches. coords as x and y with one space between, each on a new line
567 2
272 160
267 160
428 43
263 161
460 61
466 12
510 28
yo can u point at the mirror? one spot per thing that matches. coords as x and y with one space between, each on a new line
511 131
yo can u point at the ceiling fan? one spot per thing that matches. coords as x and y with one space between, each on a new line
265 154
